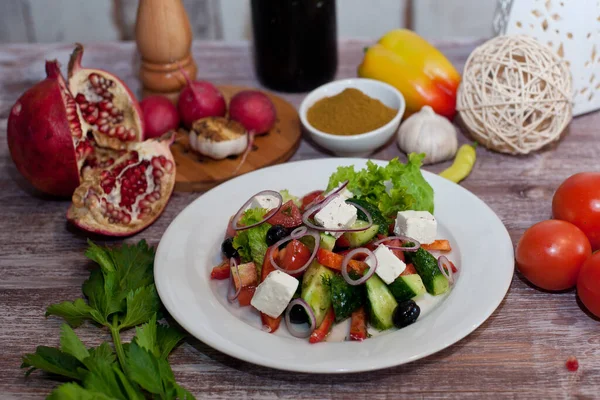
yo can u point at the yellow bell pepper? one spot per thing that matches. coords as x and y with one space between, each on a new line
417 69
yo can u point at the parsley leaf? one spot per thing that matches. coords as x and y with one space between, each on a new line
70 343
75 312
158 339
72 391
53 360
142 304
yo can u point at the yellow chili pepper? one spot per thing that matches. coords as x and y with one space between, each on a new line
417 69
462 165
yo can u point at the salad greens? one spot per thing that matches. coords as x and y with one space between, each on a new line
251 244
120 295
395 187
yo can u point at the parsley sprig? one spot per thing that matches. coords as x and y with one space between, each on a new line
120 295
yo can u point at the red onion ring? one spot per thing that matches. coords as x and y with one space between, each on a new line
269 214
403 239
234 268
307 214
329 195
312 320
446 268
297 234
348 258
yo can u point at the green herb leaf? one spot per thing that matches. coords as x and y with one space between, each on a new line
108 379
51 359
142 304
102 354
75 312
72 391
158 339
146 336
70 343
167 338
251 244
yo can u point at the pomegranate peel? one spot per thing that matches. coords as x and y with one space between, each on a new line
128 195
48 151
105 105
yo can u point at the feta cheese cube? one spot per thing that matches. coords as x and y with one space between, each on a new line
265 201
337 214
273 295
389 267
419 225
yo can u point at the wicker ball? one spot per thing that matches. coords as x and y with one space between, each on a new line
515 95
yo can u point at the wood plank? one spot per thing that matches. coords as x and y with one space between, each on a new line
519 352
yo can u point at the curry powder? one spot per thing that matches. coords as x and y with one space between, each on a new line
350 112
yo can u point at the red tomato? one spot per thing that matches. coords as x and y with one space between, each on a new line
577 200
296 254
342 242
309 198
221 271
288 216
550 254
588 284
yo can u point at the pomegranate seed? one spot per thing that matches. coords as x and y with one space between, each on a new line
156 162
80 98
144 204
105 105
146 210
94 79
120 118
107 95
84 106
91 107
101 80
157 173
110 207
156 195
131 135
101 121
168 166
112 132
71 117
572 364
114 111
91 119
104 114
98 91
103 128
126 219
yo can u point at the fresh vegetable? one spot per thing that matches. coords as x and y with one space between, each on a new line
287 196
380 303
270 324
358 325
550 254
217 137
438 245
405 287
288 215
588 284
427 267
120 295
319 334
395 187
160 116
246 275
576 201
314 290
310 199
345 298
462 165
429 133
328 242
406 313
360 238
227 248
251 243
417 69
221 271
199 99
294 255
334 261
378 219
254 110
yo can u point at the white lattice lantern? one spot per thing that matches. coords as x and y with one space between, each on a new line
571 28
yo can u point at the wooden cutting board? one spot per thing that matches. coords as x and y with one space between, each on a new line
196 172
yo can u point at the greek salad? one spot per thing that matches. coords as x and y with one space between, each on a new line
361 249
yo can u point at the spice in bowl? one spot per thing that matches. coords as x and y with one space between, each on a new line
350 112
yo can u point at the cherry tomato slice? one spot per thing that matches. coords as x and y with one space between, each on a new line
311 197
295 255
288 215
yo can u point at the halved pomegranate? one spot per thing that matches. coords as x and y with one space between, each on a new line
115 192
106 105
127 190
45 137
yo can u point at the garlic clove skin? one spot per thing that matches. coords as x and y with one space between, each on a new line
218 137
429 133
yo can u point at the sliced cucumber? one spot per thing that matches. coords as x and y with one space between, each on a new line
345 297
405 287
427 267
357 239
372 209
381 303
327 241
314 290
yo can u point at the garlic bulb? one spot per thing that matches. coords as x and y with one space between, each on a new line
218 137
429 133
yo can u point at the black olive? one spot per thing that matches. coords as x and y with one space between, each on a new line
275 234
298 314
406 313
228 249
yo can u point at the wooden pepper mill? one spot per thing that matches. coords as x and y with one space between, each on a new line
164 38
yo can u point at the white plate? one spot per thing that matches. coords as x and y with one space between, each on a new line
190 247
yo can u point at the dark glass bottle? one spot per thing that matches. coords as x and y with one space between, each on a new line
295 43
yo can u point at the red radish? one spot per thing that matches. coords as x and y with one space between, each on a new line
199 99
114 192
254 110
107 107
160 116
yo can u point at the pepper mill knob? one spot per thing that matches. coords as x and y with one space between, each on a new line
164 39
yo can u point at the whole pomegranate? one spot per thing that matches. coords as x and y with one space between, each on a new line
199 99
118 184
160 116
254 110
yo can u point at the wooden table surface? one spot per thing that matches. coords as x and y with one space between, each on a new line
519 352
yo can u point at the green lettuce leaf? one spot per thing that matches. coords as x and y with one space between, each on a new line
395 187
251 243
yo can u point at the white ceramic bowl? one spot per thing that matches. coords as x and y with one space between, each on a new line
355 145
